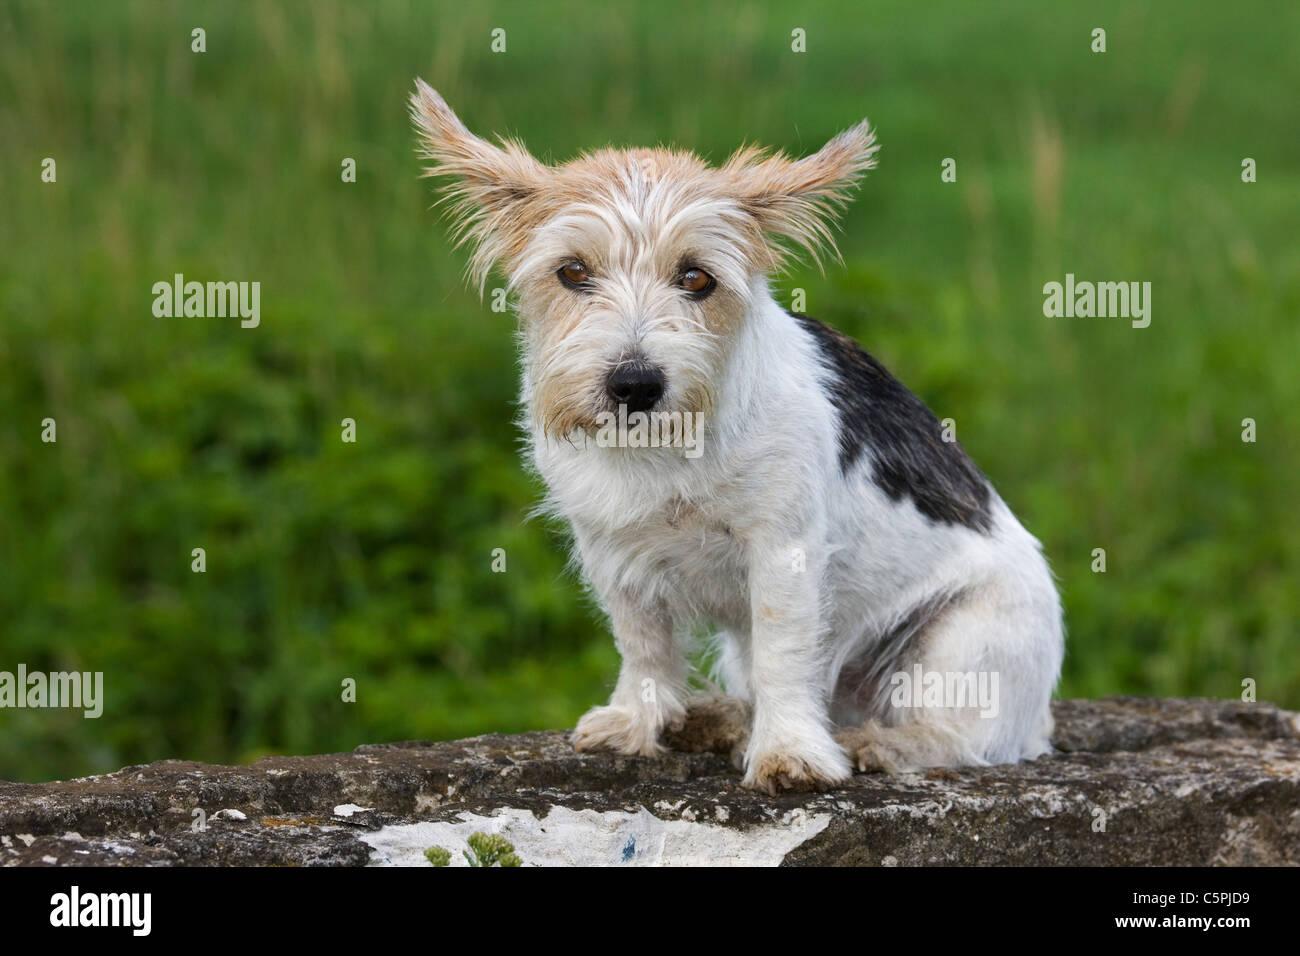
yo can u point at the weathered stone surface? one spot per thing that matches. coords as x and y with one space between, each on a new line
1173 782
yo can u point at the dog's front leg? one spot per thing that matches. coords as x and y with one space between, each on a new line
648 695
791 745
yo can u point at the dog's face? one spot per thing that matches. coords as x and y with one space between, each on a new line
632 269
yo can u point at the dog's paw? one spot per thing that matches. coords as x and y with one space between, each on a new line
876 749
619 730
872 755
714 723
781 770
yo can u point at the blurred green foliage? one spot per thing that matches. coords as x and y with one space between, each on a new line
371 560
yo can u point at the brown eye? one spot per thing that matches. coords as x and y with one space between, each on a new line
574 275
697 282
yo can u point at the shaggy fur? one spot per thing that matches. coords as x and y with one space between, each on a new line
827 529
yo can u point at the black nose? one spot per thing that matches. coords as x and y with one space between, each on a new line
636 386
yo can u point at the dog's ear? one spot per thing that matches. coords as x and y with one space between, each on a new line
492 185
796 201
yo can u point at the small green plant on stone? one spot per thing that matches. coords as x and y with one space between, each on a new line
437 856
490 849
484 850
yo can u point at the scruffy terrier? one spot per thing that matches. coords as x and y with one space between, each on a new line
868 581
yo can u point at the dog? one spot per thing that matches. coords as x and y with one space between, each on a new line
866 581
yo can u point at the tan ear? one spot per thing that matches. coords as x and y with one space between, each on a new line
796 201
491 184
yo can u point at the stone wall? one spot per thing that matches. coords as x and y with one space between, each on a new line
1135 781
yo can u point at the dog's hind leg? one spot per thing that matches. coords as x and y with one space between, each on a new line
974 689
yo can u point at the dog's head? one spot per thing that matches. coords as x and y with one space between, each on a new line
632 269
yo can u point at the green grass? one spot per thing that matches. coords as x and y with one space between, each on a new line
372 560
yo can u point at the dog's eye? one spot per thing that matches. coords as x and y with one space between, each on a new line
574 275
697 282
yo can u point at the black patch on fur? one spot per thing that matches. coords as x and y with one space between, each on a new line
878 415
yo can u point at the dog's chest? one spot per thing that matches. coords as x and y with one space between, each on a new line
705 560
697 535
677 532
686 552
